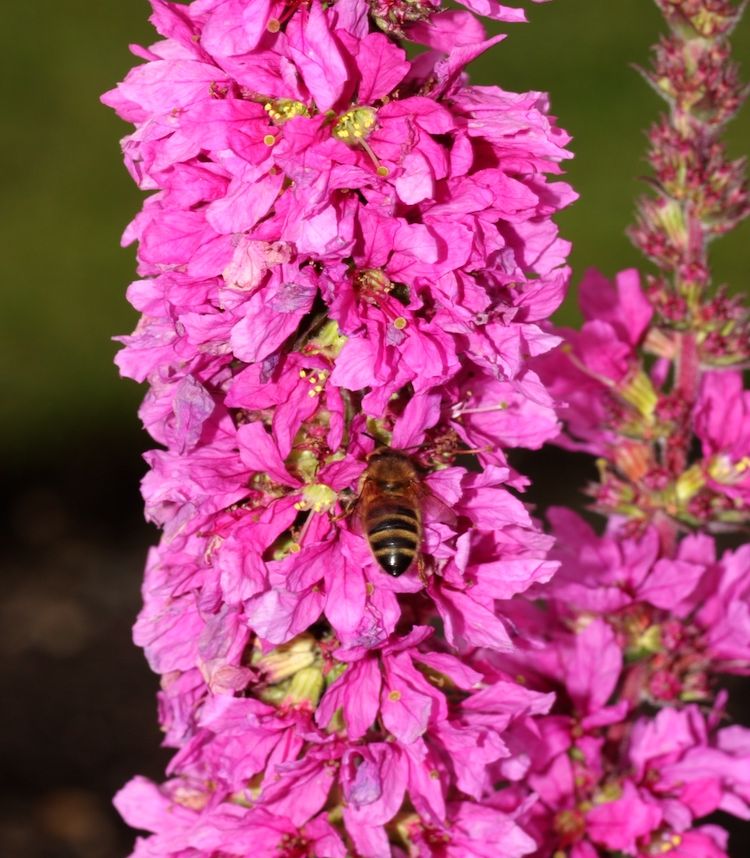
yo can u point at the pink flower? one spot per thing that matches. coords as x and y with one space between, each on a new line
344 248
592 379
721 424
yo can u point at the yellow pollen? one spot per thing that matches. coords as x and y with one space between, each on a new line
318 497
311 393
273 25
355 124
399 323
302 373
283 109
269 139
394 695
382 171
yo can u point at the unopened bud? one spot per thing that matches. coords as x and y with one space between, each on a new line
689 483
640 393
608 792
306 687
328 341
633 459
645 644
288 659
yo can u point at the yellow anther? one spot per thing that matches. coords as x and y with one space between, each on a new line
317 389
302 373
382 171
273 25
318 497
394 695
355 124
269 139
399 323
723 470
373 281
295 548
283 109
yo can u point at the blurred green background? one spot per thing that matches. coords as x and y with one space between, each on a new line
80 715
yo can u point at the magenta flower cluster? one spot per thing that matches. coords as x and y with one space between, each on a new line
638 625
348 247
617 379
345 247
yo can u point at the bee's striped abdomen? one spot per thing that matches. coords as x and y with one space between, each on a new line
394 533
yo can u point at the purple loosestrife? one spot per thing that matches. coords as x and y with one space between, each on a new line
640 622
344 248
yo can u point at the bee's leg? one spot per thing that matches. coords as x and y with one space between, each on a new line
422 569
348 505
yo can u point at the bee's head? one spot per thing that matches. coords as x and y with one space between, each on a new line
387 454
385 460
381 453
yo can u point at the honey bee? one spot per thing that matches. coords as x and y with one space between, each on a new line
390 510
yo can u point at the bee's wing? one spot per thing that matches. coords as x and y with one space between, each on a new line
434 508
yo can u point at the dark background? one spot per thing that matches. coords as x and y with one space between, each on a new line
78 714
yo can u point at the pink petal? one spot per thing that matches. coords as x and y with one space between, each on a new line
383 66
235 27
317 55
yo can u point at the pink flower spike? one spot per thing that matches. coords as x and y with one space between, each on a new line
347 248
